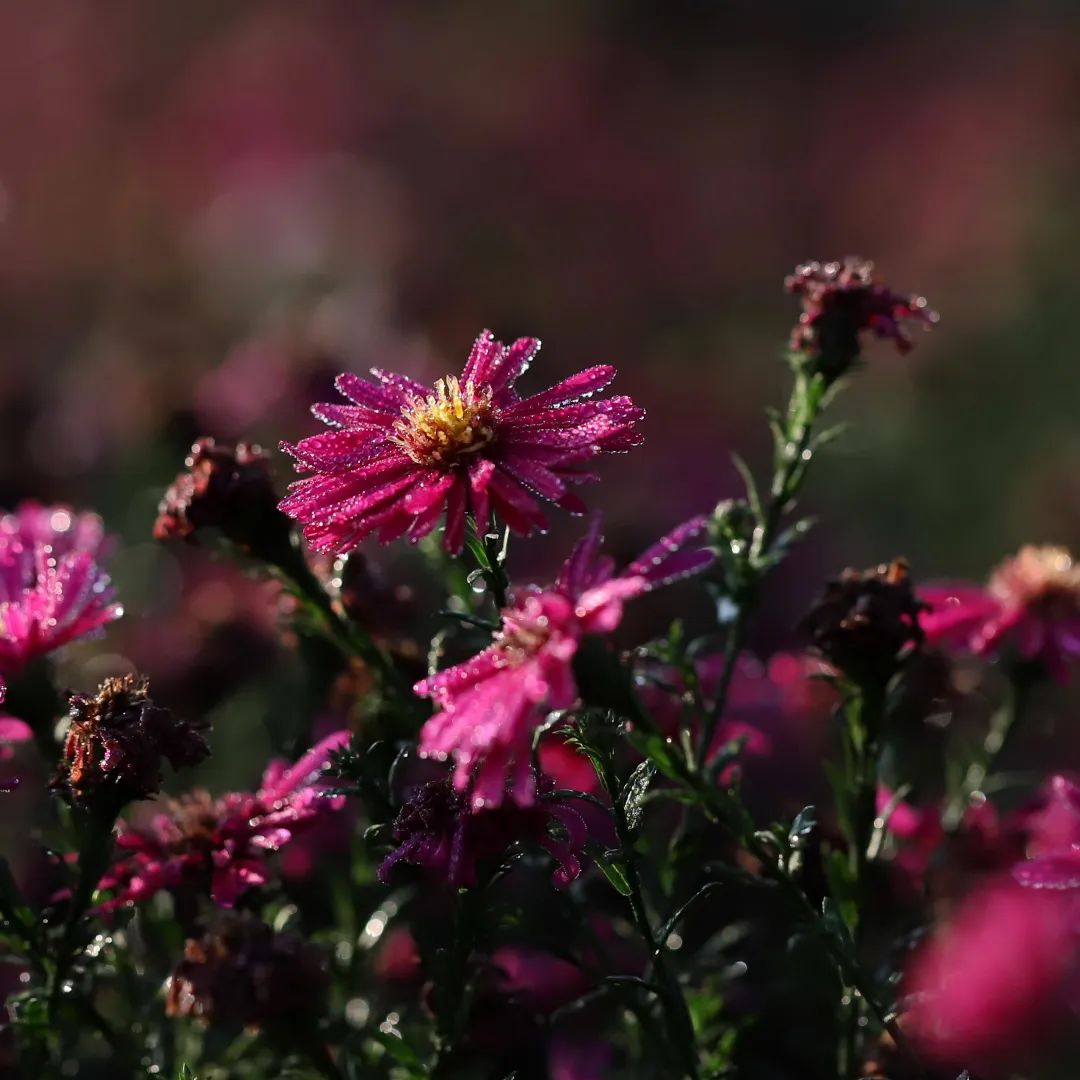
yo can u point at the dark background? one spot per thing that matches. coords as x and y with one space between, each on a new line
207 210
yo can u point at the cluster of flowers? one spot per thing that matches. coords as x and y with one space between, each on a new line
401 458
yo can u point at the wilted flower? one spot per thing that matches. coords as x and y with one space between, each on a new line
52 589
865 621
116 741
404 454
220 845
437 830
242 973
1031 603
840 301
225 487
491 705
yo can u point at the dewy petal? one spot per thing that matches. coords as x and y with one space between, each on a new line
583 383
505 453
1050 871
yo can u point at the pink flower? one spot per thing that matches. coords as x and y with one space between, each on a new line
918 830
221 844
402 455
1032 603
52 589
990 984
842 300
490 706
1052 829
436 830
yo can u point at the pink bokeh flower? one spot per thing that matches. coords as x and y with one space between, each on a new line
1052 831
13 732
403 455
437 831
52 588
995 980
490 705
1031 604
220 845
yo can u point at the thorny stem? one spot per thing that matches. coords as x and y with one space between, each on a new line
791 459
676 1014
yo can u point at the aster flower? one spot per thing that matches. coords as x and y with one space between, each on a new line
1031 604
841 300
865 621
437 831
490 706
242 973
225 487
116 741
1052 829
52 589
220 845
994 981
403 455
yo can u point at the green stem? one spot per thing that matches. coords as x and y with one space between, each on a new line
676 1014
351 639
496 575
95 848
452 998
789 470
1003 725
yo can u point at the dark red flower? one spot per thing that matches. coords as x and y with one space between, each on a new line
841 300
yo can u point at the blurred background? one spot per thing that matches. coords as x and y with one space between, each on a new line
207 210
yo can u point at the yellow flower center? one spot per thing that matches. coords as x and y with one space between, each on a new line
453 421
1044 577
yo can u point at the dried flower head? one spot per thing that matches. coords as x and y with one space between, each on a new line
116 741
840 301
403 456
437 830
224 487
241 973
1031 604
865 621
52 588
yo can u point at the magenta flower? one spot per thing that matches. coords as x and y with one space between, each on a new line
221 845
1052 829
490 706
1031 603
841 301
403 455
988 987
436 830
52 589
